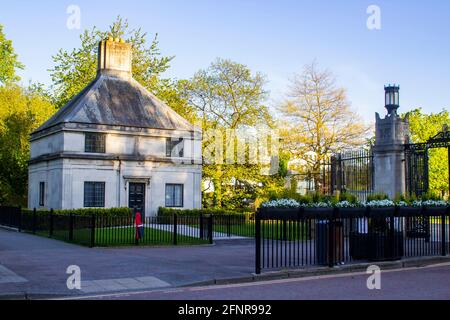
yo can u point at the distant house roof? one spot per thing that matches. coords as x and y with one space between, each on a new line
115 98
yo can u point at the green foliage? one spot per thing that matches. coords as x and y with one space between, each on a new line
405 198
104 212
109 212
345 196
228 96
423 127
284 168
21 112
377 197
196 212
8 61
431 195
305 199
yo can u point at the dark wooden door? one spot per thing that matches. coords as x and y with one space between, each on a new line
136 197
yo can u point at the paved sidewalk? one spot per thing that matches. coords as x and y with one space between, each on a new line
7 276
41 264
122 284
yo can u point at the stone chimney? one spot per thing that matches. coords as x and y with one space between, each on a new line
114 58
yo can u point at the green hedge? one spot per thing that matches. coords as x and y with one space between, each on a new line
196 212
111 212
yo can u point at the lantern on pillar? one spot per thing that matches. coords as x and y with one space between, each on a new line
392 99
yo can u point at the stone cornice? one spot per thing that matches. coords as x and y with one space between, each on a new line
113 157
85 127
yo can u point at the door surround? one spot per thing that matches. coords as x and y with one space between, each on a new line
137 179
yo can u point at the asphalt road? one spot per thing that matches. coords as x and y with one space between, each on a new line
428 283
37 266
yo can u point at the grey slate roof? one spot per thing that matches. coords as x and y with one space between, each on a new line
110 100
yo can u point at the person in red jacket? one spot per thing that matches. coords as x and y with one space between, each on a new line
139 225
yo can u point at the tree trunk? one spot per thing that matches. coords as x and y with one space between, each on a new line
217 181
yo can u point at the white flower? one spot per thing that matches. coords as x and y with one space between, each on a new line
416 203
281 203
320 205
345 204
434 203
380 203
291 203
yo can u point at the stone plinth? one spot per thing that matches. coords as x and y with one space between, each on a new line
392 133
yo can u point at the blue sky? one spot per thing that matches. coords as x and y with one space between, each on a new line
274 37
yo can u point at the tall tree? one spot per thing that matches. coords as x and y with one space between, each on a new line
8 60
228 96
317 118
21 112
423 127
74 69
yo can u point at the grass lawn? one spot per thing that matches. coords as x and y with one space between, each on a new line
114 237
242 230
269 229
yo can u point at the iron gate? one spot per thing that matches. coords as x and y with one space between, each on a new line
352 172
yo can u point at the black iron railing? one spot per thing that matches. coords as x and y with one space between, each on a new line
234 226
353 172
350 172
293 238
10 216
97 230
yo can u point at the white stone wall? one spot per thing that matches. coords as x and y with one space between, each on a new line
116 143
50 144
65 178
52 174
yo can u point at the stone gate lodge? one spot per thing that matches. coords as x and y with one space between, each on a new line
115 145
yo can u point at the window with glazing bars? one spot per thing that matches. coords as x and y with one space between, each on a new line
174 147
41 194
94 194
174 195
94 142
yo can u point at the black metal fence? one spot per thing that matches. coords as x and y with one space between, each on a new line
98 230
417 171
234 226
287 238
353 172
9 216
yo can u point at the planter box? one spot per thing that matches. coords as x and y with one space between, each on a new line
279 213
318 212
376 246
410 211
434 211
352 212
382 211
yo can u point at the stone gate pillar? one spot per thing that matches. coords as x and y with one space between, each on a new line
392 133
